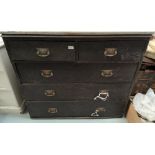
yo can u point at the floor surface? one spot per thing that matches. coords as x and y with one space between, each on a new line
24 118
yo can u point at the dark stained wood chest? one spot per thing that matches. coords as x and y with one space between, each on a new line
86 75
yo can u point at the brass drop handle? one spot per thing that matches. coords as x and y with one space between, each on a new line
49 92
106 73
110 52
46 73
96 113
43 52
103 95
52 110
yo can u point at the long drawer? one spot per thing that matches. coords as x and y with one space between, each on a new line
78 91
74 109
41 50
72 72
111 51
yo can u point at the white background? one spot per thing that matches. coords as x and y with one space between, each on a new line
80 15
77 15
77 139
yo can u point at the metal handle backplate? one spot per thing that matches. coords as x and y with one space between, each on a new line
103 95
106 73
46 73
43 52
49 92
97 111
110 52
52 110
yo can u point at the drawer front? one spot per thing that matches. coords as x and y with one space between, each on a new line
93 92
74 109
42 50
64 72
111 51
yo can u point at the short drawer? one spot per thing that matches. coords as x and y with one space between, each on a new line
41 50
72 73
114 51
93 92
64 109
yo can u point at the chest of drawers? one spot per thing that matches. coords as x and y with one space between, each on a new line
87 75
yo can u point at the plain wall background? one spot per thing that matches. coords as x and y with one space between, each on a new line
77 15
